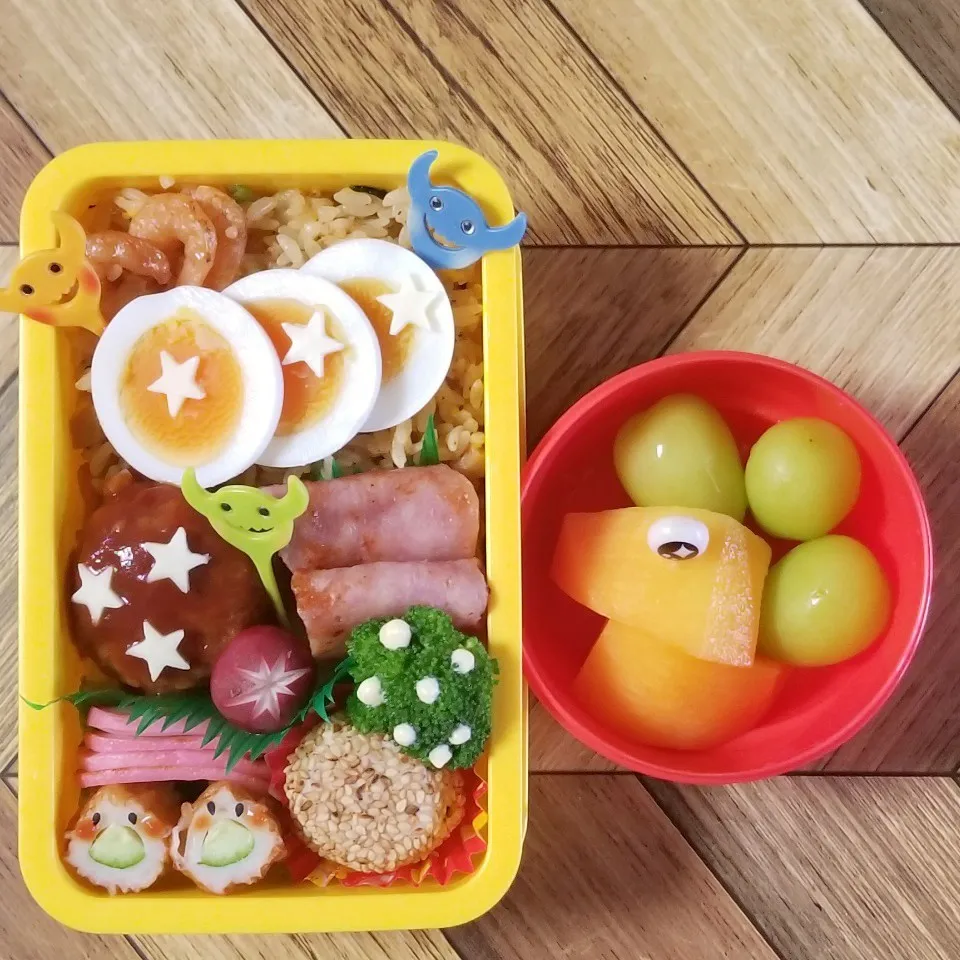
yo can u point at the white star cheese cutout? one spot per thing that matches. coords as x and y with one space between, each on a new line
309 343
269 684
95 592
174 560
177 381
158 650
409 306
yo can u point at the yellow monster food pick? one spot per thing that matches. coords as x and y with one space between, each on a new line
688 577
251 520
41 280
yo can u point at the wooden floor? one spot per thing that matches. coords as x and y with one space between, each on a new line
780 176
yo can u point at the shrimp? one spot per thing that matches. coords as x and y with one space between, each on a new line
169 219
113 248
231 224
116 296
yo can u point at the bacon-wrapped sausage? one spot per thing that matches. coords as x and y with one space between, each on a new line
426 513
332 602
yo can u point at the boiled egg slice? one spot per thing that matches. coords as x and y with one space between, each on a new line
187 378
409 310
330 360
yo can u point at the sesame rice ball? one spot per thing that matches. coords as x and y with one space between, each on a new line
361 803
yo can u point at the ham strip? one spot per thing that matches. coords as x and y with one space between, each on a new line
422 513
154 756
332 602
97 743
172 759
118 723
100 778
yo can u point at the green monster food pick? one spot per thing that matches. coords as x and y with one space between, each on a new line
251 520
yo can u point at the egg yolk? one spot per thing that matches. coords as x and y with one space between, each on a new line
307 398
202 428
394 350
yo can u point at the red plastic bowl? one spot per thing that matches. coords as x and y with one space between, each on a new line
572 470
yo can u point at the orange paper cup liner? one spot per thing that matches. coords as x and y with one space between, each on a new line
456 855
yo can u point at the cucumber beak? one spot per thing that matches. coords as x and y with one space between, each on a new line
117 847
226 842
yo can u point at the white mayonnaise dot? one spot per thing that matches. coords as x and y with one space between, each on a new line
405 734
461 734
370 692
428 689
395 634
440 756
462 660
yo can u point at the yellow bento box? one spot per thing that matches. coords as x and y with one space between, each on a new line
51 511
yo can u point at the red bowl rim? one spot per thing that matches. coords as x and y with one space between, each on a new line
531 480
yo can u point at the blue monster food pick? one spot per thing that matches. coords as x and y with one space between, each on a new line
447 227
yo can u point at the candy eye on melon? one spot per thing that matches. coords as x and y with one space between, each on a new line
655 693
706 602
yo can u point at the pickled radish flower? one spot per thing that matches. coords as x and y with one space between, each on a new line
262 679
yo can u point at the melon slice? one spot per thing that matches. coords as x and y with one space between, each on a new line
656 694
703 596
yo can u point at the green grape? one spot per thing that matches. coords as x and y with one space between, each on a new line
680 453
824 602
803 478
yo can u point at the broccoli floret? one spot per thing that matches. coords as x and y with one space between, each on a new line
464 673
